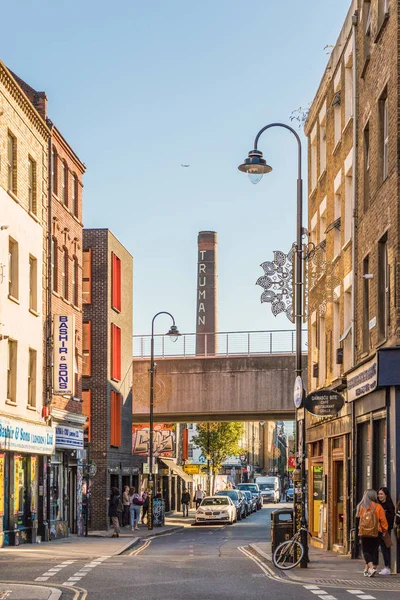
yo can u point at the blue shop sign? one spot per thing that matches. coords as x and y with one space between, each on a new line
69 437
24 436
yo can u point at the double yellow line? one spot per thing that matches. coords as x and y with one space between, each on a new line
140 549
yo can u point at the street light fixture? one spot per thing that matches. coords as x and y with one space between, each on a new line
256 166
173 333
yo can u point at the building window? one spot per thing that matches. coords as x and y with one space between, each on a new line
32 186
115 420
336 232
87 348
115 282
12 371
12 163
190 451
13 268
54 265
75 279
74 195
367 29
337 116
32 378
115 352
383 288
64 274
54 169
336 337
87 411
366 291
348 205
87 277
384 134
313 158
33 283
383 12
348 332
366 166
348 90
64 183
322 146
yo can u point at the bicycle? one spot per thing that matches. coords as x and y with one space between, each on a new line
289 554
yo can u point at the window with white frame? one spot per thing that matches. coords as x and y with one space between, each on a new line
348 90
366 20
33 305
13 284
12 163
32 202
337 230
313 157
322 350
322 145
32 378
12 371
190 451
336 337
348 205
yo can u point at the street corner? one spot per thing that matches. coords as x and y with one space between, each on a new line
20 591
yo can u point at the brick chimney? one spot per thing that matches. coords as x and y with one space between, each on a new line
206 315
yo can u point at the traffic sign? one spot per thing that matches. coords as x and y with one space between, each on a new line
298 392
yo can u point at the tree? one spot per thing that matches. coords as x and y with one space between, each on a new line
218 441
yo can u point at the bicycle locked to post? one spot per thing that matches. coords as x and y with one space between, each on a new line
289 553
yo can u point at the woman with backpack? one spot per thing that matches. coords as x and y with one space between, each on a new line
372 521
386 502
135 504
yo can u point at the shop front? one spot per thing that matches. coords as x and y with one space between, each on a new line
65 483
24 447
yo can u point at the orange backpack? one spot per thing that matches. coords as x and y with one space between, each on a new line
369 524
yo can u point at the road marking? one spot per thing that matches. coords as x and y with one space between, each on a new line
355 591
145 545
263 567
311 587
41 578
366 597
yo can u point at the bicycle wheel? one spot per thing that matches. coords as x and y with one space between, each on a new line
288 554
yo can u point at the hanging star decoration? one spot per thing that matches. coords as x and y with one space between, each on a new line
278 283
321 282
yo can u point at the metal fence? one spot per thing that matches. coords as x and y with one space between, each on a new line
230 343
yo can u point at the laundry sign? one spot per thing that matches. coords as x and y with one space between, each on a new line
63 355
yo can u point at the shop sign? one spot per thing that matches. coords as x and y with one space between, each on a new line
363 380
192 469
135 470
69 437
324 403
146 469
2 468
291 463
33 483
63 355
21 436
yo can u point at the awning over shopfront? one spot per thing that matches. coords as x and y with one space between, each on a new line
177 470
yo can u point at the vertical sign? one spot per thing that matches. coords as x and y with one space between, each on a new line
63 355
2 468
18 482
33 482
206 317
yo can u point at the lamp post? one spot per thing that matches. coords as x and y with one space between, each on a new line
256 166
173 333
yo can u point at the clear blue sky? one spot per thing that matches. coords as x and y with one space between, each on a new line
137 88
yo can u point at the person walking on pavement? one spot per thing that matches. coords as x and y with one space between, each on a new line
372 521
125 504
135 503
386 502
198 496
114 509
145 498
185 501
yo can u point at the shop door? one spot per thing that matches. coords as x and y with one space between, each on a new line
317 497
363 459
338 504
4 489
72 500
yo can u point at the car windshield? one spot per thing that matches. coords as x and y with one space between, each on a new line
266 486
251 487
247 494
232 494
214 501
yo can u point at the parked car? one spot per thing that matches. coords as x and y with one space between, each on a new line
290 493
254 489
217 509
238 500
270 488
247 503
251 501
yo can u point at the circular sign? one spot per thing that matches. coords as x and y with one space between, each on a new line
298 392
324 403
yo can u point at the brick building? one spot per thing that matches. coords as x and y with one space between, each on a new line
352 131
107 362
26 440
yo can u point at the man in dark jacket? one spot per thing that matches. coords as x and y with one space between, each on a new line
114 509
185 501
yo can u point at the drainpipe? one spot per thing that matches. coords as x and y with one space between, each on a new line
353 540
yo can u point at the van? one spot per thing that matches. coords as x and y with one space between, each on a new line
270 488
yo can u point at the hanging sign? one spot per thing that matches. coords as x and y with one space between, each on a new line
324 403
63 355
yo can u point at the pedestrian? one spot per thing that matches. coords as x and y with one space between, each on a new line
114 509
185 501
386 502
125 504
135 503
145 497
198 496
372 521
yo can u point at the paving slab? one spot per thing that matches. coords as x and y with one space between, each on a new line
19 591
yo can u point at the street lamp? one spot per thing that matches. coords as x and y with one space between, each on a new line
173 333
256 166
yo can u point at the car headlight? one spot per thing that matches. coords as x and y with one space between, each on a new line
200 511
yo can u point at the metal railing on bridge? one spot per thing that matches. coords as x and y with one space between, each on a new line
223 343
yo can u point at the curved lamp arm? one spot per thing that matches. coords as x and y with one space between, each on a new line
296 135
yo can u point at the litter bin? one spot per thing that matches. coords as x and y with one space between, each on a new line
158 512
281 526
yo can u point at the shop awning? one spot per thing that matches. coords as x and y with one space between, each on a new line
177 470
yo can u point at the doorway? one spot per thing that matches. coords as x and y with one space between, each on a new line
338 503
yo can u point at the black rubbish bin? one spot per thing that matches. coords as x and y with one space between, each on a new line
158 512
281 526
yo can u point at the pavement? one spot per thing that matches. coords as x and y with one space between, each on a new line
15 591
328 568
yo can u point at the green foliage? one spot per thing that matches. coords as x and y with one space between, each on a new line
218 441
